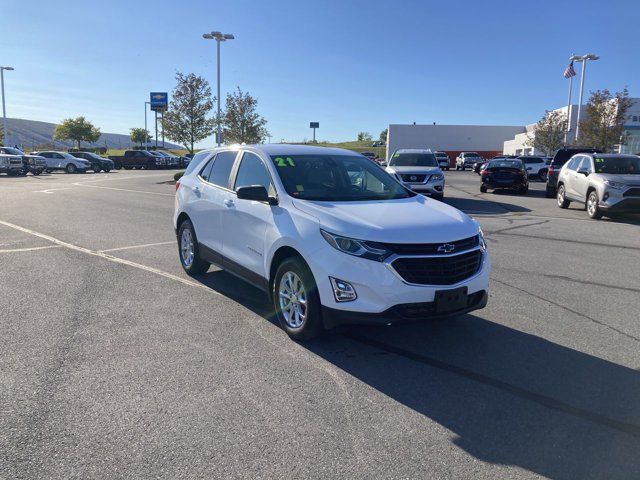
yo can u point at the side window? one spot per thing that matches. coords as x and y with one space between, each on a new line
57 155
252 171
573 163
206 170
585 164
222 165
195 161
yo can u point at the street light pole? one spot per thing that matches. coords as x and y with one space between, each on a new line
218 37
582 59
4 109
146 137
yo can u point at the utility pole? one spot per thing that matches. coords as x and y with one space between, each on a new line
218 37
4 110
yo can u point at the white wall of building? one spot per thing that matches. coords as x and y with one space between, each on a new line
450 137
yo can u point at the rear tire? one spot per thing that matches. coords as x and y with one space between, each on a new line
96 170
71 168
561 197
593 210
128 168
296 300
542 175
188 250
483 188
550 192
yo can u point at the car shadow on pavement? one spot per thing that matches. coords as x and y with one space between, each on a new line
481 206
509 397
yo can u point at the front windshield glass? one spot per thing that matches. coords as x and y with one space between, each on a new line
413 160
471 155
336 178
68 155
617 165
11 151
505 164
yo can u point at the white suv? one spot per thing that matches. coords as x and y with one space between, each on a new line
329 235
419 170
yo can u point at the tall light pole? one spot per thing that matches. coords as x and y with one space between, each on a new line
4 109
583 59
146 137
218 37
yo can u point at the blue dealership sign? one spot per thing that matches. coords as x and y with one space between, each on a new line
159 101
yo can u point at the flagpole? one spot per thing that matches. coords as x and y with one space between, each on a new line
568 129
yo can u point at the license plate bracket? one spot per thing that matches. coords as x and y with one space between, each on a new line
451 300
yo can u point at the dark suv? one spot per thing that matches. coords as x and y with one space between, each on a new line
559 159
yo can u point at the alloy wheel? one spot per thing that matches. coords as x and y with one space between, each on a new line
186 247
292 300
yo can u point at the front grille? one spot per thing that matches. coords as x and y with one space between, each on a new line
15 162
439 270
632 192
413 177
428 248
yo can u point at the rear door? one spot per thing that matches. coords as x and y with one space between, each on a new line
570 176
245 222
585 168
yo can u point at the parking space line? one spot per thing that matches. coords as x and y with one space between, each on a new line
30 249
125 190
111 258
136 246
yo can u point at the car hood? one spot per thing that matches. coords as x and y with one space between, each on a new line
633 180
420 170
409 220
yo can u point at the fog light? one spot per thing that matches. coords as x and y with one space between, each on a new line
438 188
343 291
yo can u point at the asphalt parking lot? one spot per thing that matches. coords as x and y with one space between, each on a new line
114 363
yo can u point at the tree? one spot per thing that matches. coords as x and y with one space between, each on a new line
603 126
383 135
186 121
1 135
240 121
77 129
140 135
548 134
364 137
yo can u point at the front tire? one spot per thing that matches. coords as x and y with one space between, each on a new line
296 300
561 197
71 168
593 210
188 250
483 188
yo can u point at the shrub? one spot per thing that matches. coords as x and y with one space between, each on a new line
178 175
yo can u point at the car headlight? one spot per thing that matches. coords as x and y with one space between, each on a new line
614 185
436 178
357 248
483 243
4 161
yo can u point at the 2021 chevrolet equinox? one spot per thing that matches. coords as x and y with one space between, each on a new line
330 236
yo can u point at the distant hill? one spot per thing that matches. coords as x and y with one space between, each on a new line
31 134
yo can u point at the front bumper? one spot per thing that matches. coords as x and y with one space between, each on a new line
615 201
380 288
493 184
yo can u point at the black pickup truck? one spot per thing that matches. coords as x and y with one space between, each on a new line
138 159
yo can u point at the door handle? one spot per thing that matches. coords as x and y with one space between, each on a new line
196 189
228 203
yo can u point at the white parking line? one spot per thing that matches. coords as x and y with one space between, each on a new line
111 258
30 249
126 190
136 246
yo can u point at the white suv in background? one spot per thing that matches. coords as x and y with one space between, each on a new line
467 159
329 235
419 170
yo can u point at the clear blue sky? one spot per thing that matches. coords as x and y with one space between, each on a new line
351 65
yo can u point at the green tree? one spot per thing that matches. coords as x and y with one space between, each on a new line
140 136
548 134
240 121
77 129
1 135
364 137
603 126
186 122
383 135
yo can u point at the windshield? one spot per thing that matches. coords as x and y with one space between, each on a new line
413 160
617 165
68 155
336 178
441 155
11 151
505 164
471 155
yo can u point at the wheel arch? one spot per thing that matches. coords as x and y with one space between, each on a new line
280 255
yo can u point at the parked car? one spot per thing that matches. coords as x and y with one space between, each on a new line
172 161
467 159
185 160
559 159
138 159
604 183
504 174
30 163
479 166
63 161
443 160
331 237
370 155
536 166
11 164
418 169
98 163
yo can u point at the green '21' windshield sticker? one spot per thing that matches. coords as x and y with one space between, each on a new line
284 162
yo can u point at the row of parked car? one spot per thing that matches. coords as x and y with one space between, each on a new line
14 161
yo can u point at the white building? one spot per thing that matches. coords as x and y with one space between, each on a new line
487 140
519 145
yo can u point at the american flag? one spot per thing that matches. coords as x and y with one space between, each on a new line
569 71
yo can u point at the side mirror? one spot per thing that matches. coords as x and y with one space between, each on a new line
256 193
584 172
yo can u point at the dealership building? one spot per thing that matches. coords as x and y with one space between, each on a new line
487 140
